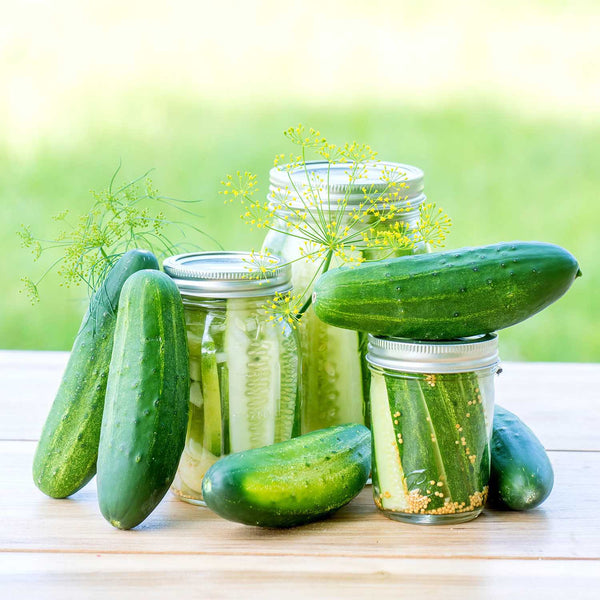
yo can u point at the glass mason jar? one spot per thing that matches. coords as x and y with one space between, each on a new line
432 406
335 376
244 367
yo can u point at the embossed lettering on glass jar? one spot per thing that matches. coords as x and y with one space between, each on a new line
335 376
244 368
432 407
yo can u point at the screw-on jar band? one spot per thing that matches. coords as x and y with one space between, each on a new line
228 274
415 356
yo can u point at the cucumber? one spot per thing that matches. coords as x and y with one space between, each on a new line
389 484
287 424
521 475
65 458
446 295
147 397
293 482
211 392
332 375
252 349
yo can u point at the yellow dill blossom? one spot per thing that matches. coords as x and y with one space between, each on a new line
349 229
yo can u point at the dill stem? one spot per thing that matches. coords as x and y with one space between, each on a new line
308 302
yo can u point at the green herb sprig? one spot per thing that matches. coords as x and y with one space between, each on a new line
120 218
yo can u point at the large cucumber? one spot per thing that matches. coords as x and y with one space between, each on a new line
145 418
446 295
292 482
521 476
65 459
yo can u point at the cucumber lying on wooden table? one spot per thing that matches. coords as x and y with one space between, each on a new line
65 459
293 482
446 295
521 476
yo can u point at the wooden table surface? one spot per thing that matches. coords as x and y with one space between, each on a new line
64 548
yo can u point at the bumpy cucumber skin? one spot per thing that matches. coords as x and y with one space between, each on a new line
446 295
521 476
65 459
145 417
293 482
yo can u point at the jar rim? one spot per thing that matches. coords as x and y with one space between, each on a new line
299 182
423 356
228 274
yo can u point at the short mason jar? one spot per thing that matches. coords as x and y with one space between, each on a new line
244 365
335 376
432 406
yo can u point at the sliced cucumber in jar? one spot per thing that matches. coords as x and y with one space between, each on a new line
287 423
252 351
211 392
331 375
389 487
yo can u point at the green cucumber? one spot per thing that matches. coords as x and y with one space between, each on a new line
521 476
147 397
287 424
332 375
252 349
65 459
210 392
293 482
457 293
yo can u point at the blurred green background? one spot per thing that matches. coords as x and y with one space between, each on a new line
498 105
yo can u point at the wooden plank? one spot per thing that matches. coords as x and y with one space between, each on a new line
559 401
547 396
566 526
29 384
101 576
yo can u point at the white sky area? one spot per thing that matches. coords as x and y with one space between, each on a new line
57 56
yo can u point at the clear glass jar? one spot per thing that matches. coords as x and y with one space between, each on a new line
335 376
244 367
432 407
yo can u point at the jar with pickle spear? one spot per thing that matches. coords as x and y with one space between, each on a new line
244 360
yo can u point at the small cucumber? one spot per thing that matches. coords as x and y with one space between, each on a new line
293 482
147 396
65 459
521 476
446 295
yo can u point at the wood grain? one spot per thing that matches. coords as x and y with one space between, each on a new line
101 576
565 526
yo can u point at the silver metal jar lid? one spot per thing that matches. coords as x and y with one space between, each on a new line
227 274
332 181
453 356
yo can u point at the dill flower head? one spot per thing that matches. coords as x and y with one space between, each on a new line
347 205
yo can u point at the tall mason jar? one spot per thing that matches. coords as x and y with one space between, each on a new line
244 366
432 407
335 376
